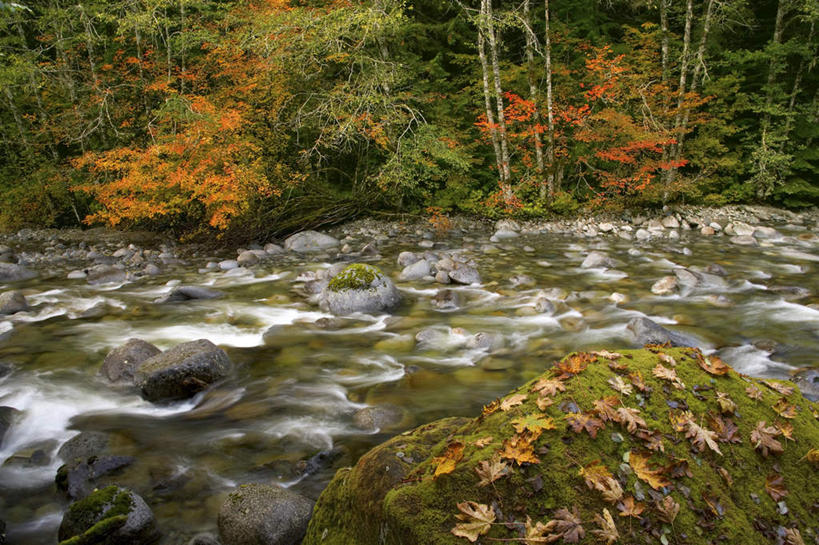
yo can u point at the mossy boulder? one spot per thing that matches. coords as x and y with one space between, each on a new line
359 288
596 435
111 516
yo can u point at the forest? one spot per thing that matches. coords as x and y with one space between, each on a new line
261 117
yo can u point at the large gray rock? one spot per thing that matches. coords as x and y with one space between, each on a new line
646 331
380 417
247 258
189 293
416 271
258 514
11 272
109 516
597 260
359 288
80 476
182 371
12 301
105 274
121 363
84 445
310 241
808 382
465 274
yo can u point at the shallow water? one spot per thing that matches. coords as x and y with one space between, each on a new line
294 393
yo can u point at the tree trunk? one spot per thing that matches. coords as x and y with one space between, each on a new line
689 16
664 44
502 136
772 69
533 96
797 82
550 117
487 95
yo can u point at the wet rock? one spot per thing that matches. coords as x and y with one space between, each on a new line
522 280
189 293
446 299
415 271
84 445
744 240
739 228
120 363
708 231
507 225
655 225
273 249
151 269
464 274
113 515
247 258
79 477
7 417
642 234
766 233
664 286
808 382
380 417
503 235
606 227
716 269
182 371
258 514
12 302
485 341
359 288
647 331
790 293
76 275
228 265
687 277
105 274
670 222
11 272
442 277
408 258
597 260
544 306
310 241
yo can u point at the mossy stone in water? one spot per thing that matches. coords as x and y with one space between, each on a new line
359 288
111 516
392 497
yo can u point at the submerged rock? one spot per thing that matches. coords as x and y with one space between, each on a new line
121 362
581 451
11 272
109 516
182 371
359 288
381 418
259 514
189 293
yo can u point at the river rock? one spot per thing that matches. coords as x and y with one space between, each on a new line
11 272
228 265
359 288
670 222
503 235
744 240
310 241
247 258
120 363
7 417
182 371
507 225
416 271
606 227
105 274
273 249
647 331
708 231
79 477
113 515
259 514
12 302
407 258
642 234
766 233
664 286
739 228
379 418
391 494
189 293
808 382
596 260
465 274
84 445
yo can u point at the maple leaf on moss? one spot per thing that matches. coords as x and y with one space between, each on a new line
775 486
629 417
701 437
512 401
726 404
764 439
652 440
654 477
778 387
713 365
793 537
536 533
483 441
535 423
787 430
544 403
668 509
568 525
785 409
812 457
636 379
598 477
490 408
754 392
446 463
584 421
620 385
665 358
520 449
476 518
605 354
679 419
491 470
606 408
725 428
548 386
608 530
630 508
575 364
662 372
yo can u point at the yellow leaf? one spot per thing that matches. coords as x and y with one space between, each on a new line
446 463
476 518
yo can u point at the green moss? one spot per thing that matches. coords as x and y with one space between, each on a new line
357 276
420 510
99 514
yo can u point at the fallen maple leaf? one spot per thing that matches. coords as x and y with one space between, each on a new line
725 476
679 419
652 440
512 401
599 478
726 404
491 470
630 418
701 437
535 423
778 387
520 449
662 372
667 359
446 463
668 509
608 530
630 508
636 379
544 402
477 520
491 407
607 355
787 430
754 392
620 385
713 365
785 409
654 477
793 537
535 534
812 457
775 486
584 421
764 439
575 364
606 408
725 428
483 441
568 525
548 386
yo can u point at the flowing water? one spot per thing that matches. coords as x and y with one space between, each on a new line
294 392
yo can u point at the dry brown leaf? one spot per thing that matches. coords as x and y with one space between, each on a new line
665 358
668 509
491 470
726 404
512 401
608 530
520 449
451 456
620 385
713 365
701 437
775 486
725 476
568 525
607 355
606 408
491 407
548 386
630 508
654 477
476 518
544 402
630 418
793 537
636 379
483 441
764 439
662 372
535 534
599 478
754 392
785 409
778 387
584 421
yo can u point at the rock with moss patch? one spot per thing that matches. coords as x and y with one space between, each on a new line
259 514
359 288
111 516
120 363
675 445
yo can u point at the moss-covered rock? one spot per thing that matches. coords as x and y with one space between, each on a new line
359 288
704 436
110 516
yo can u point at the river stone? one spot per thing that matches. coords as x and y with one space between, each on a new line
120 363
739 228
596 260
12 302
105 274
687 277
744 240
670 222
84 445
642 234
182 371
766 233
507 225
310 241
7 416
228 265
407 258
503 235
808 382
111 516
259 514
379 418
247 258
11 272
273 249
646 331
79 477
464 274
606 227
664 286
708 231
359 288
415 271
188 293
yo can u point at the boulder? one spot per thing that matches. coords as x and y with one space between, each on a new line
120 363
12 301
189 293
80 476
670 222
596 260
359 288
507 225
273 249
259 514
113 515
646 331
464 274
408 258
808 382
415 271
535 456
182 371
7 417
310 241
247 258
11 272
380 418
105 274
84 445
664 286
